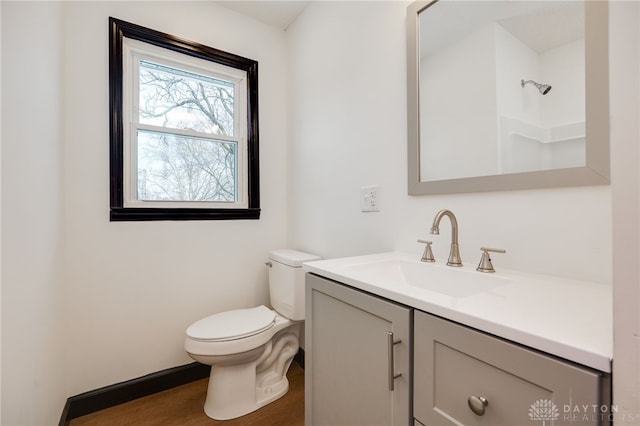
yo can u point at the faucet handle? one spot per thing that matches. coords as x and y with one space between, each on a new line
427 256
485 264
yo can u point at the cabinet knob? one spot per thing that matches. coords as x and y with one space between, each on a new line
477 404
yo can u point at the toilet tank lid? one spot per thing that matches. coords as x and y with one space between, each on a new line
231 325
292 257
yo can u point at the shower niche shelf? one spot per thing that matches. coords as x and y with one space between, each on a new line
518 130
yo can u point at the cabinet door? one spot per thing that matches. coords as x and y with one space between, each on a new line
349 357
506 383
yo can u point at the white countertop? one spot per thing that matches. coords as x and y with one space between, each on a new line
568 318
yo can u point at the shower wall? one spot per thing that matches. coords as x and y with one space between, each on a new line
476 114
539 132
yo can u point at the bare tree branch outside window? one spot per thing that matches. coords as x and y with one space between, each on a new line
175 167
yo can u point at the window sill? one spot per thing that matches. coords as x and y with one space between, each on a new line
149 214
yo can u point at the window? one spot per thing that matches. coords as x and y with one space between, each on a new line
184 129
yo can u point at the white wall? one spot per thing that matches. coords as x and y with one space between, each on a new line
0 221
33 391
515 61
458 85
349 130
624 45
348 97
127 291
563 68
133 288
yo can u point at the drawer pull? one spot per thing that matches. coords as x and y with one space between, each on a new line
392 375
477 404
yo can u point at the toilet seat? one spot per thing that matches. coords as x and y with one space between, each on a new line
232 325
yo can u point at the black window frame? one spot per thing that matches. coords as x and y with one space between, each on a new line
118 30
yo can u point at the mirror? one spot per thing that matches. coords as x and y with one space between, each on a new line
507 95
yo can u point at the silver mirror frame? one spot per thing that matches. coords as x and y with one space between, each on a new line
596 170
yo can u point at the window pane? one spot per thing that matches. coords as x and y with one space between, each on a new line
179 99
179 168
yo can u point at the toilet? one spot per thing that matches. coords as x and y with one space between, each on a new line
250 350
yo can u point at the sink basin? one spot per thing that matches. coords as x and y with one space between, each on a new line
451 281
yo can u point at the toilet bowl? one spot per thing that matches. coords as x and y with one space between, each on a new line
250 350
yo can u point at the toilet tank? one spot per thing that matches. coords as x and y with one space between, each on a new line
286 282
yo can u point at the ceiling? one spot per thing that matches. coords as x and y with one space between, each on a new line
279 14
541 25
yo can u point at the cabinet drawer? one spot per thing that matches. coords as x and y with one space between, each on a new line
507 384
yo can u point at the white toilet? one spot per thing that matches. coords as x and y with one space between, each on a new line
250 350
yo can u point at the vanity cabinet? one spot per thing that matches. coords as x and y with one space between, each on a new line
357 357
466 377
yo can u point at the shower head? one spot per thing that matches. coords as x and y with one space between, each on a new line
542 88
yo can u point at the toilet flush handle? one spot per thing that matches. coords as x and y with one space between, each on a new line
269 264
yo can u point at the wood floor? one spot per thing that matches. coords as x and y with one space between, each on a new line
183 406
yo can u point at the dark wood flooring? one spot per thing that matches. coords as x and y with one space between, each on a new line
183 406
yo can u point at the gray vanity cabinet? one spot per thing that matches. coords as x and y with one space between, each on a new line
357 357
465 377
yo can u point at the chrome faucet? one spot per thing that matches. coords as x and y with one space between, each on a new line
454 253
